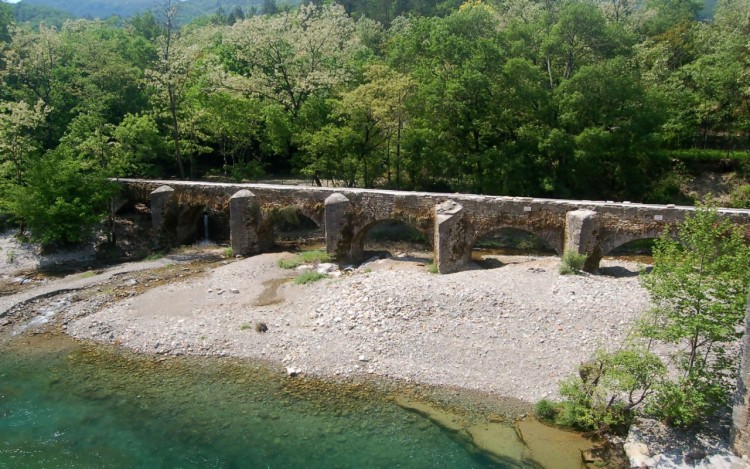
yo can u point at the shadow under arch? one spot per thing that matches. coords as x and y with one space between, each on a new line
388 236
509 241
291 229
637 251
198 223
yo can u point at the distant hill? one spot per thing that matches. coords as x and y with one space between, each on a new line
36 14
189 9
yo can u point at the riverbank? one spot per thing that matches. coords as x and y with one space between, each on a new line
511 332
514 331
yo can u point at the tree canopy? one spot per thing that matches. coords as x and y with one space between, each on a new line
569 98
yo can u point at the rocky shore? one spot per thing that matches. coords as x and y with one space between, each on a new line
513 331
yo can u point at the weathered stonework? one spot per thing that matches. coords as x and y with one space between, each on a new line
337 228
740 434
452 252
349 215
160 207
581 232
244 218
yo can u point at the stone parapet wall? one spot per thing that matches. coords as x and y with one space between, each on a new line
616 222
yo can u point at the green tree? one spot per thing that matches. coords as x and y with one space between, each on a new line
699 287
63 199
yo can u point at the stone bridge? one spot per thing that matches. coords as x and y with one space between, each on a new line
454 222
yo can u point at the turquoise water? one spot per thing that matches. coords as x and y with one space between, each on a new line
63 404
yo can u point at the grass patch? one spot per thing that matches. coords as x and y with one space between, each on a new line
229 252
245 326
698 154
572 263
432 268
306 257
308 277
154 256
88 274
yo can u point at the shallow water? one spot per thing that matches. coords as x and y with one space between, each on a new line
64 404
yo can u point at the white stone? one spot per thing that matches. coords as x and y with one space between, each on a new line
637 453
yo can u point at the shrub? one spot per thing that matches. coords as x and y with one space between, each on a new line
740 197
309 277
572 262
546 410
229 252
603 396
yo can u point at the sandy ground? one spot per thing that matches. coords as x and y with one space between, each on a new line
514 331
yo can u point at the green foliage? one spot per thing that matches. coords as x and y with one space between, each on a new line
306 257
308 277
546 410
740 196
605 392
578 99
63 198
686 402
229 252
432 268
699 287
572 263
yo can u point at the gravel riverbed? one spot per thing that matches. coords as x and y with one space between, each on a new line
513 331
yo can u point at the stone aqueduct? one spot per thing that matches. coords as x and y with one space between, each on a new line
455 222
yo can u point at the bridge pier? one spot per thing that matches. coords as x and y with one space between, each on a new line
244 221
451 244
581 236
338 228
161 199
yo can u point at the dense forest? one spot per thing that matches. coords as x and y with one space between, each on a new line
594 99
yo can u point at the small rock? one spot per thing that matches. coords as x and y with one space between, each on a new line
363 358
292 371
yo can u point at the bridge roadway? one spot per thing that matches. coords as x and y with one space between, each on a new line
454 222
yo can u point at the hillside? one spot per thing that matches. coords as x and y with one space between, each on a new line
189 9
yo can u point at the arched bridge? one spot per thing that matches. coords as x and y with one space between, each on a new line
454 222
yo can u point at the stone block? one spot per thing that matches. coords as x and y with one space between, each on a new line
244 219
338 230
452 250
581 236
161 198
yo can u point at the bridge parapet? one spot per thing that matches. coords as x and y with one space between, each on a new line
348 214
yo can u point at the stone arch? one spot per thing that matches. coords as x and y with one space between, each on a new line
275 216
645 240
615 240
356 249
515 233
552 237
294 228
186 222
